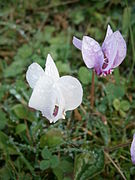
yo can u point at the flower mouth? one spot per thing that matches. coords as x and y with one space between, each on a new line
105 63
55 111
104 66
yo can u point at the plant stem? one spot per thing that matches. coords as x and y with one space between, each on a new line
92 90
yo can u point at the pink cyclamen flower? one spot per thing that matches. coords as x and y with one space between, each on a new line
102 58
52 95
132 150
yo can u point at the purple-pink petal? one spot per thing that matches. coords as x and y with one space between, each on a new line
132 150
114 48
77 43
103 59
92 53
108 32
110 47
121 50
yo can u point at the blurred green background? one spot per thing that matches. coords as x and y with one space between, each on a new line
88 144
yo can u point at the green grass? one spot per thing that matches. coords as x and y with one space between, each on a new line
89 143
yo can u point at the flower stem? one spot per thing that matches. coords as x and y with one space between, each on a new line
92 90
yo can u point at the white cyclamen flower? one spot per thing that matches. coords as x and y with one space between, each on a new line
52 95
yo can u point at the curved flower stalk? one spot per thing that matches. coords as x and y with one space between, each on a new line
132 150
52 95
102 58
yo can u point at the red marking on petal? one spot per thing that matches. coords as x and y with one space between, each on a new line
104 65
55 112
105 73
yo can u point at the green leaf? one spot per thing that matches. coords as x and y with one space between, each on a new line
3 120
84 75
20 61
58 173
27 163
23 112
5 146
114 92
44 164
124 105
23 176
102 107
5 173
52 138
3 140
3 90
24 52
122 113
77 16
64 167
46 154
104 131
126 21
63 67
116 104
88 165
54 161
20 128
117 75
44 36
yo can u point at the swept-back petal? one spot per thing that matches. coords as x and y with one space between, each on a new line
109 48
51 69
92 52
108 32
33 74
42 97
77 43
71 90
114 49
121 50
132 150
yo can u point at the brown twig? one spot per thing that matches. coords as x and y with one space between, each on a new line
83 110
92 90
77 115
118 146
115 165
87 131
7 53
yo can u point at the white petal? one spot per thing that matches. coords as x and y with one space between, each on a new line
33 74
43 98
59 102
71 90
51 69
